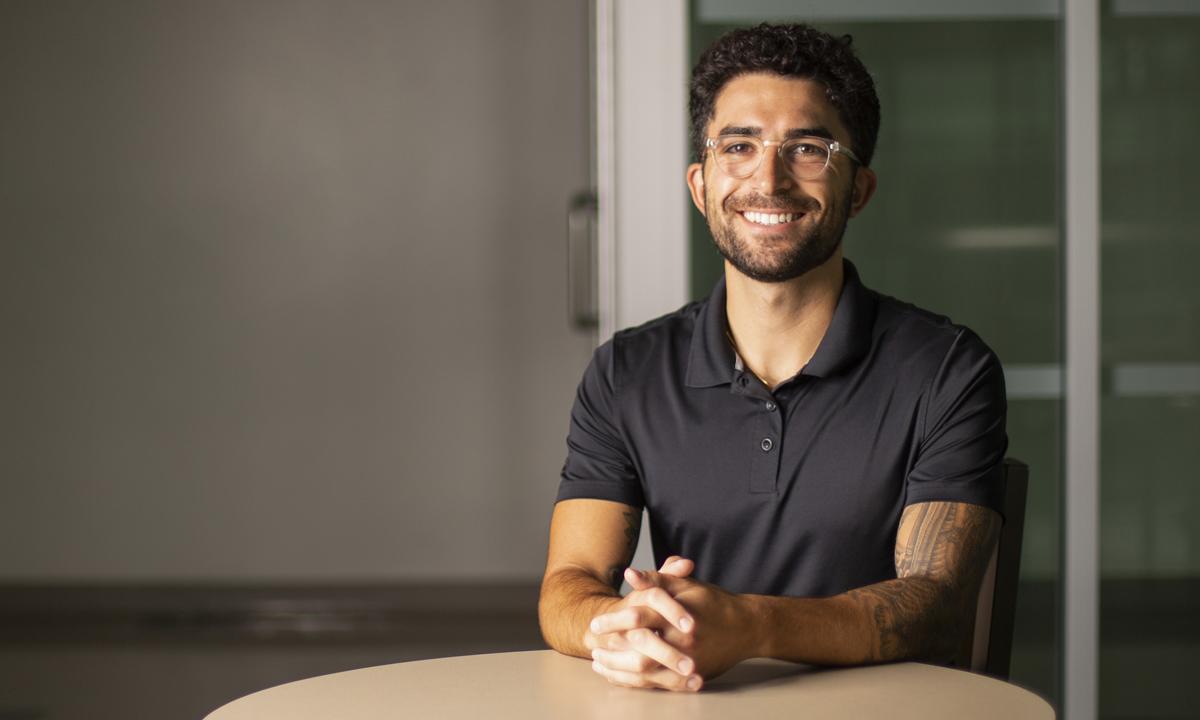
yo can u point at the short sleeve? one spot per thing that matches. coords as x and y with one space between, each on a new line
598 464
961 452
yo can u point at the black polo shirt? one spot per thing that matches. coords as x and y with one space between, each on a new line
798 491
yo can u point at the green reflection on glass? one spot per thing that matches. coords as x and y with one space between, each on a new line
1150 328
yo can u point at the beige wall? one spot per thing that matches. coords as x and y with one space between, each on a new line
282 286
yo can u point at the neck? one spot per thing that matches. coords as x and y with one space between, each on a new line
777 327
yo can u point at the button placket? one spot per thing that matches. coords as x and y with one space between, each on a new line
766 432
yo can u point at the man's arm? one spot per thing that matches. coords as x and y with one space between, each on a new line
591 544
926 613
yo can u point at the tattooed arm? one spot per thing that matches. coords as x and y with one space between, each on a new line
927 612
591 544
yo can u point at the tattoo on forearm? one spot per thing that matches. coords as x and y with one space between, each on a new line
633 528
942 549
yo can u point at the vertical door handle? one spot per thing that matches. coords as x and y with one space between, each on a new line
582 303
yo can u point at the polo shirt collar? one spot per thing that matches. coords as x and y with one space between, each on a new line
848 337
711 360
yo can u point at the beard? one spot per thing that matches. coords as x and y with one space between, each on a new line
786 258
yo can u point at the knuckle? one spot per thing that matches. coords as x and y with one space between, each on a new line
639 635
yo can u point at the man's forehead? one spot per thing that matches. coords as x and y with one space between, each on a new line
773 104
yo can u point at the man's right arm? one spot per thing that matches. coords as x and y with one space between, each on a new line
591 544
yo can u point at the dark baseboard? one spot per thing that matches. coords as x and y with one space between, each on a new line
1131 611
409 613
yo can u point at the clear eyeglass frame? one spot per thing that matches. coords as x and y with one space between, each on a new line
800 166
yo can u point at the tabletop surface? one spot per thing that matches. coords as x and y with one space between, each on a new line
545 684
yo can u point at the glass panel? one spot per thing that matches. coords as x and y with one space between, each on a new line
965 223
1150 353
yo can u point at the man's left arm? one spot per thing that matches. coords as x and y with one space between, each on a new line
926 613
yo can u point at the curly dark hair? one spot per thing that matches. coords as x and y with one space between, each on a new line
794 50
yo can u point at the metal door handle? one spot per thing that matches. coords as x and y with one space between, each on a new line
582 303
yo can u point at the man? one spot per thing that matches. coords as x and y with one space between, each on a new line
820 463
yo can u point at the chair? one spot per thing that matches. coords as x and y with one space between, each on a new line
996 610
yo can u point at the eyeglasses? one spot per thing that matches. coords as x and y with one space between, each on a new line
739 156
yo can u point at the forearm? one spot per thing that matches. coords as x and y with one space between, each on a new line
570 598
913 618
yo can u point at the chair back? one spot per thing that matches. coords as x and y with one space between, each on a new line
996 609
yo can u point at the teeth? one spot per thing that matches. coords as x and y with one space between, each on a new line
769 218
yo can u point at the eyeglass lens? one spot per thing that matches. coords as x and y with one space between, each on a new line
806 158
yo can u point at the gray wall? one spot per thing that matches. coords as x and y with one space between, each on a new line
281 287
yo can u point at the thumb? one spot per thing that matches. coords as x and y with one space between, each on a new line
677 566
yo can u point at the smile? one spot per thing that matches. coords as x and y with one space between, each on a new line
762 218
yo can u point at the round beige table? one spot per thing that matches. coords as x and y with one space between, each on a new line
545 684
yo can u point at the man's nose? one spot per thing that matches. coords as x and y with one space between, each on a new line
772 175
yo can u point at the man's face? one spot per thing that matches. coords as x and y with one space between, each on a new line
774 108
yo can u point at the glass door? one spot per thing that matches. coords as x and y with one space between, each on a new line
1150 360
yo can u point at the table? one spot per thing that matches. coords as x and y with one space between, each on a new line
545 684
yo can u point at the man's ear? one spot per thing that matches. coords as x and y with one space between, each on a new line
695 181
864 188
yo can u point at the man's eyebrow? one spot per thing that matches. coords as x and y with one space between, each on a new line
818 131
740 130
754 131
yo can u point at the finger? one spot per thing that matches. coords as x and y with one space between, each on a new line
673 584
660 599
656 678
637 579
653 646
640 615
627 660
677 566
653 608
606 641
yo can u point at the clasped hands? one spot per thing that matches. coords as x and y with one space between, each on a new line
670 632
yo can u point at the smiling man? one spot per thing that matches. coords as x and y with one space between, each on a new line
820 463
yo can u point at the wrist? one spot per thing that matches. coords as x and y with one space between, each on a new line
755 626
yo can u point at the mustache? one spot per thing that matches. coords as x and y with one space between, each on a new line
758 201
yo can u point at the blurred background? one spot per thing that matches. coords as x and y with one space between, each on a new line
295 295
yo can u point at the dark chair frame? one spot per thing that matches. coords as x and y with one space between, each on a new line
1001 615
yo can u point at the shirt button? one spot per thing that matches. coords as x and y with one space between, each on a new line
766 444
770 405
743 381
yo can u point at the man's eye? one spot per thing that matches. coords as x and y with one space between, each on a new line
808 150
738 148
